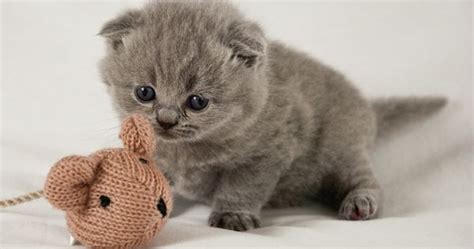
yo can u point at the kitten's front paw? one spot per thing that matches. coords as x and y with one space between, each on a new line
234 220
360 206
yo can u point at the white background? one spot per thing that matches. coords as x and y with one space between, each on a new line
53 104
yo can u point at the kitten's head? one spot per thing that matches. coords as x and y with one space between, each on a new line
195 69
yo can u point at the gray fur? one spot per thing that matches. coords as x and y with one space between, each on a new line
393 112
280 127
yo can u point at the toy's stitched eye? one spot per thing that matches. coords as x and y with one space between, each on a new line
143 160
104 201
162 207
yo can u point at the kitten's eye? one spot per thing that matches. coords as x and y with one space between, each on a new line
197 102
249 61
143 160
145 93
104 201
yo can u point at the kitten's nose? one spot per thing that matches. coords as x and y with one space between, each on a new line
167 118
166 125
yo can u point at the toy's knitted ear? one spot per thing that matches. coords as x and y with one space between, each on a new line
67 185
138 136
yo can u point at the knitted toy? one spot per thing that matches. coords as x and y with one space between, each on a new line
114 198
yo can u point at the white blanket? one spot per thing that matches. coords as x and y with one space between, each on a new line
53 105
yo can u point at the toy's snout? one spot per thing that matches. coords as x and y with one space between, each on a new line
67 185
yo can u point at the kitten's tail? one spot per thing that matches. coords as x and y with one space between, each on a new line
394 112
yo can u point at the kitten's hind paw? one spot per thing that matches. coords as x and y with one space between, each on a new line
360 206
234 221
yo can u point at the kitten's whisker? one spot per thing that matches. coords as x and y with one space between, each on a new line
184 132
193 127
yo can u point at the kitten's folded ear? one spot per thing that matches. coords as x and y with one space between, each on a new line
247 41
116 29
138 136
67 184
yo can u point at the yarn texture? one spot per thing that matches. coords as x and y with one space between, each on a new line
114 198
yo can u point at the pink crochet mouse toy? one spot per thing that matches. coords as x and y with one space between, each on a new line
114 198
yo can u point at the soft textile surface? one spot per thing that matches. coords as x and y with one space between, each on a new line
54 105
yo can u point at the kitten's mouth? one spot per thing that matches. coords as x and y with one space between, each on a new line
174 134
166 135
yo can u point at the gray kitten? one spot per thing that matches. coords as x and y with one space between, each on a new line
244 122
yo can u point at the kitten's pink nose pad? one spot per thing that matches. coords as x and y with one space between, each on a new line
167 118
